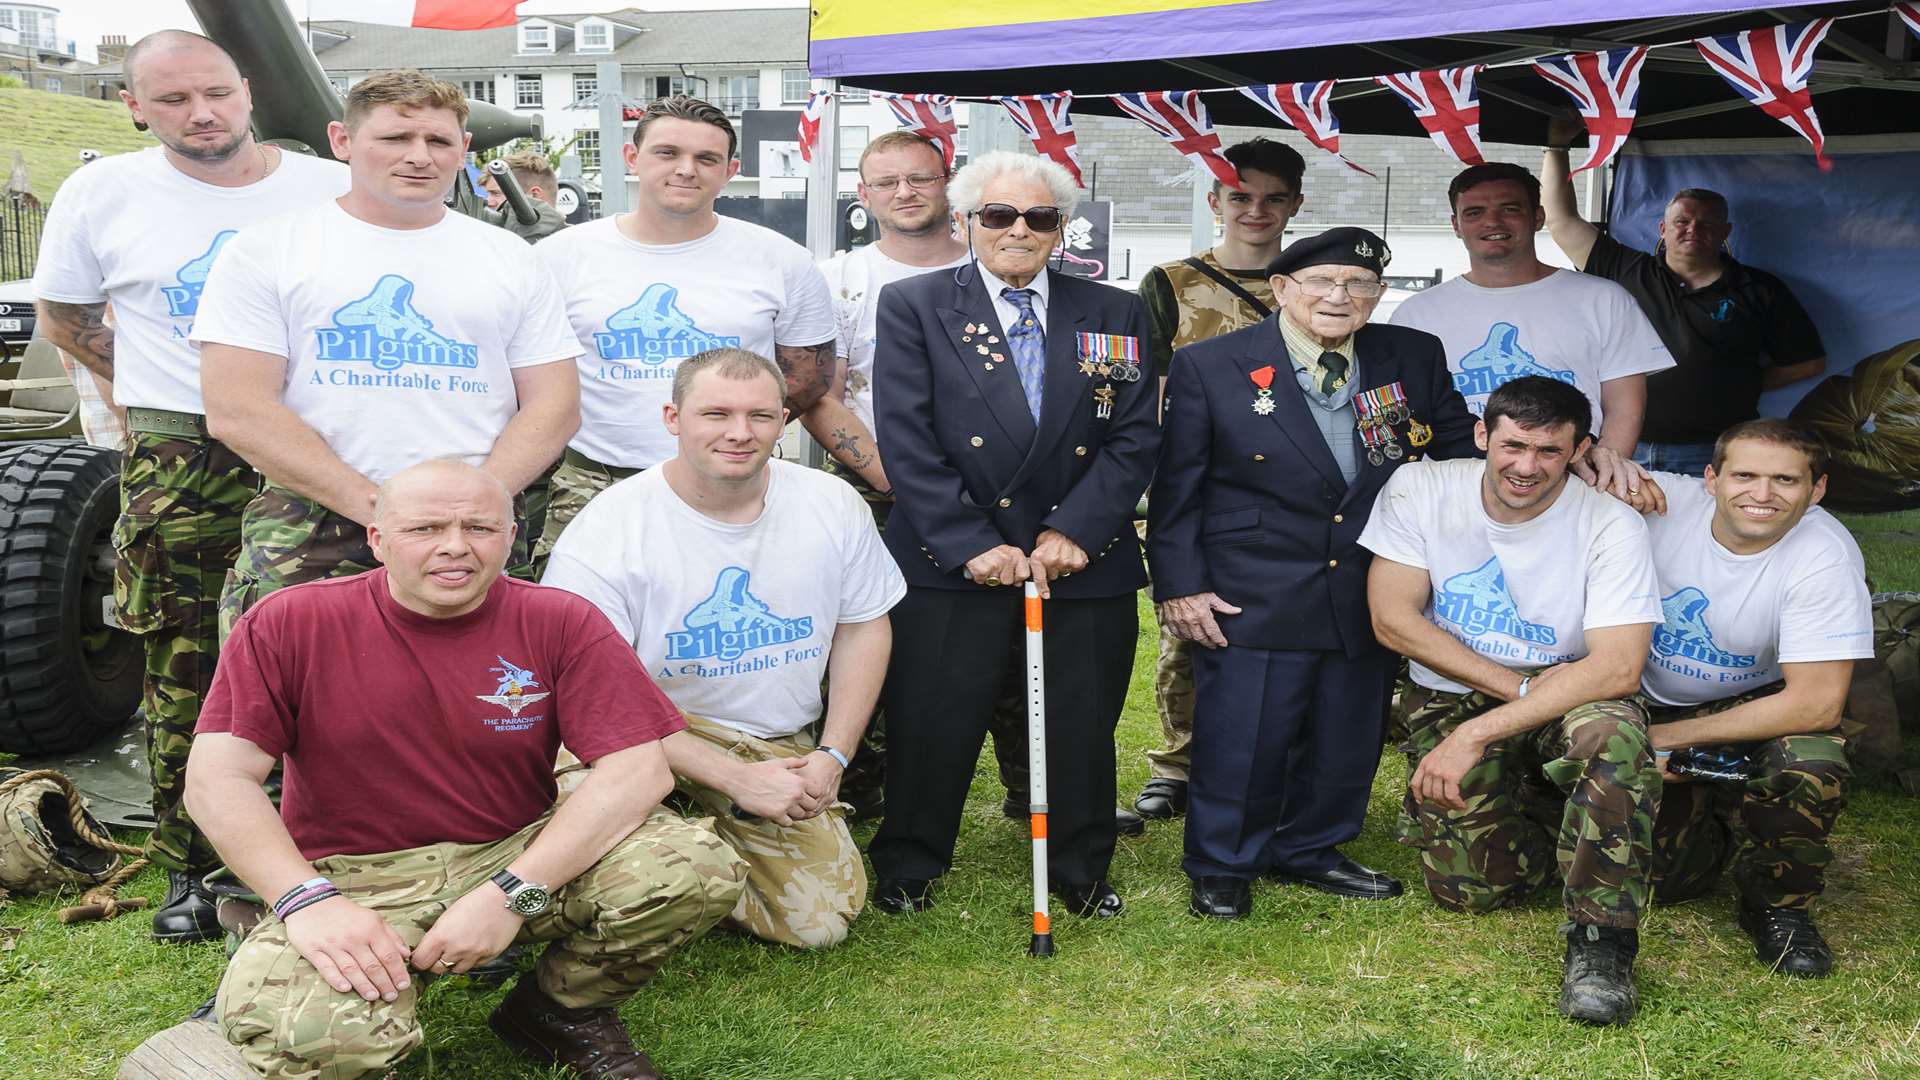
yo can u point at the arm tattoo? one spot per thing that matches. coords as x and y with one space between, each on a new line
846 447
809 371
82 330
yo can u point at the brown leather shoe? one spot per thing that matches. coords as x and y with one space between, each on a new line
591 1042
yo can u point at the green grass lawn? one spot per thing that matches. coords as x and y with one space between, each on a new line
50 130
1309 986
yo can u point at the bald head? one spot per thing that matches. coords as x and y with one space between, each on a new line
162 46
437 480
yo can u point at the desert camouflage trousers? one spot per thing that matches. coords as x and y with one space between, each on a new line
1772 829
610 928
1172 699
181 498
805 882
1578 793
289 539
575 482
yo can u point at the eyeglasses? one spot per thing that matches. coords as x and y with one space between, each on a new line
1001 216
1318 287
917 183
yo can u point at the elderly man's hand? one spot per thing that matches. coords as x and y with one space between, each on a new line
1191 618
1054 556
1003 565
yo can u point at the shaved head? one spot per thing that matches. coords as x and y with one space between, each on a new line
438 477
157 46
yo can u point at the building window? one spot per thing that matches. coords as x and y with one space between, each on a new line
526 92
594 37
853 141
52 84
586 144
795 86
586 87
734 93
666 86
478 90
536 37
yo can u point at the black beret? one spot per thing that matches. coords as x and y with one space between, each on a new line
1335 247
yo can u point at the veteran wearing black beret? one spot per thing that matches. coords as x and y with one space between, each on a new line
1275 440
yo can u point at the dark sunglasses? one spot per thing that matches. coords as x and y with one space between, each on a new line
1001 216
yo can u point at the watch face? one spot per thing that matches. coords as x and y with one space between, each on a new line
529 900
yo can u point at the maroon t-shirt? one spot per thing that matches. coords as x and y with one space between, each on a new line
397 730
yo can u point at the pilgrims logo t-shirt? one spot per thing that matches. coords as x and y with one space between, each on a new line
134 230
1523 596
639 309
401 343
734 622
1729 621
1578 329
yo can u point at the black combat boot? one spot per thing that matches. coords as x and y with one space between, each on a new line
1596 981
187 914
1787 941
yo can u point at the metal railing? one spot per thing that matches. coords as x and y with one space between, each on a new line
20 225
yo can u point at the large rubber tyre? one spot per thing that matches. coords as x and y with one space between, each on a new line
67 678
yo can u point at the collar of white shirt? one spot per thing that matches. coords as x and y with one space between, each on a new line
1004 307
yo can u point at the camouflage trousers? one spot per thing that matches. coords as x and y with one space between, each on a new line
866 778
535 499
1579 792
1772 829
805 882
181 498
611 928
1173 700
289 539
575 482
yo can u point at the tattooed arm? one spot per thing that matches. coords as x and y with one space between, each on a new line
81 331
844 435
808 370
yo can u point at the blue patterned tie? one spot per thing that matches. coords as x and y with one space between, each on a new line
1029 345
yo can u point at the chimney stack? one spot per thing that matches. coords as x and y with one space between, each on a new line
113 48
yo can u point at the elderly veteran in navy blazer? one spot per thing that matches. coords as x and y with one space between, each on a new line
1016 406
1276 440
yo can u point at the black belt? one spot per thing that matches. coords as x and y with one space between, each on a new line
581 461
166 422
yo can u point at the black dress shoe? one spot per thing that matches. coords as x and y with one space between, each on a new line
1163 797
1129 823
1015 806
1219 897
187 914
1095 901
1344 878
899 896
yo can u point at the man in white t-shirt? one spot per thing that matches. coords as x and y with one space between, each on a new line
1525 604
343 343
668 280
1513 315
139 231
1766 609
741 582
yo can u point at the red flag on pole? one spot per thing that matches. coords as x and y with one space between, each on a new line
810 122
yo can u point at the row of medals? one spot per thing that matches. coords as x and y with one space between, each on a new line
1376 429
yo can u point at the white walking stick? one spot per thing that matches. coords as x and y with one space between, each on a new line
1042 944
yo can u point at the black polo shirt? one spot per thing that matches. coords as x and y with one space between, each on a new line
1721 337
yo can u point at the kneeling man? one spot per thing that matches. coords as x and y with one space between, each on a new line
416 710
740 581
1766 611
1525 604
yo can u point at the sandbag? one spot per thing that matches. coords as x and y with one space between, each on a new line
1870 419
1884 699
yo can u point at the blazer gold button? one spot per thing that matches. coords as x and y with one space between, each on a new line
1004 503
1079 451
977 441
1337 519
1259 457
1331 563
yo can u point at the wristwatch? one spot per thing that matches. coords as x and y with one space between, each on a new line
524 898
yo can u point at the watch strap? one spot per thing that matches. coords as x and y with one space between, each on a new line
507 882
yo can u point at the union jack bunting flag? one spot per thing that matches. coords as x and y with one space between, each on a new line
1179 117
1447 104
1308 106
929 116
1606 87
810 122
1044 118
1910 14
1769 67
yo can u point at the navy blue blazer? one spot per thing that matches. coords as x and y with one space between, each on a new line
1253 508
970 471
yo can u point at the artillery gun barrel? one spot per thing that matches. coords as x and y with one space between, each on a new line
502 174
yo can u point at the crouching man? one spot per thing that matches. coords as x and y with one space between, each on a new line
416 710
1525 604
1766 609
740 581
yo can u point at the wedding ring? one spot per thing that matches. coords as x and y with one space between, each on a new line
993 581
446 963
